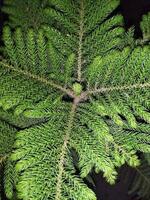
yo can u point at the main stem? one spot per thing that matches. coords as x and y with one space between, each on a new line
63 152
81 32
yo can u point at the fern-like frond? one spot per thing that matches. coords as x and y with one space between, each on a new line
7 138
19 121
41 148
82 91
107 145
29 68
27 14
87 32
145 27
7 135
141 182
147 157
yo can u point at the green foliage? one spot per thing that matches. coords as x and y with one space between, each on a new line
73 85
84 31
40 153
141 183
77 88
145 26
25 13
7 137
10 180
147 157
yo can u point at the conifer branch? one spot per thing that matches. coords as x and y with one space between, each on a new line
141 174
63 152
110 123
81 33
38 78
119 88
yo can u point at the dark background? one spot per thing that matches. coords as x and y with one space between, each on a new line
132 11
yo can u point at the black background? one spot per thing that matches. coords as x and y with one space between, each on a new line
132 11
